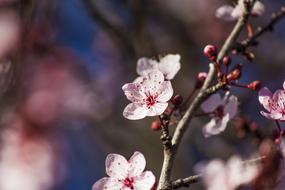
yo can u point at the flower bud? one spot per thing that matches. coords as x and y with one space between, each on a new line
255 85
234 75
227 61
210 51
177 100
201 77
249 56
155 125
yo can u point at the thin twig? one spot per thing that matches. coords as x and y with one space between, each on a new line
251 41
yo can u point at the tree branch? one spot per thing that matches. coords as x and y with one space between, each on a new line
251 41
169 156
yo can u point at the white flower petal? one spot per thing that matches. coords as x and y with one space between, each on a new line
145 66
264 95
258 8
284 85
133 92
137 164
170 65
225 13
135 111
165 91
212 103
273 116
145 181
231 106
216 127
107 183
152 82
237 12
157 109
116 166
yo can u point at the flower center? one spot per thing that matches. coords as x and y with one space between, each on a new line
150 101
128 182
219 112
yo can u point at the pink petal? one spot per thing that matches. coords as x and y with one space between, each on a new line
145 65
133 92
170 65
152 81
264 95
212 171
284 85
273 116
135 111
258 8
225 13
116 166
107 183
165 91
137 164
214 128
238 10
157 109
145 181
231 106
212 103
277 94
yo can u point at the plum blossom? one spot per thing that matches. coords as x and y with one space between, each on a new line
26 162
230 13
273 103
149 96
218 175
222 110
169 65
126 175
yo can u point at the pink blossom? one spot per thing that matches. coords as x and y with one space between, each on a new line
168 65
26 162
149 96
230 13
273 103
126 175
222 110
218 175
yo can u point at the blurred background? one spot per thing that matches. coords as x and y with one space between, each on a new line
62 66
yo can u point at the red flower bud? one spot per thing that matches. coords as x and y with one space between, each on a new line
201 77
155 125
177 100
255 85
227 61
210 51
234 75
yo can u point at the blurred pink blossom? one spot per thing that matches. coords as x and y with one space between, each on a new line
169 65
218 175
27 162
222 110
127 175
149 96
10 32
230 13
273 103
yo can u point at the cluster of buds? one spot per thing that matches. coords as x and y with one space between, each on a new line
226 76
